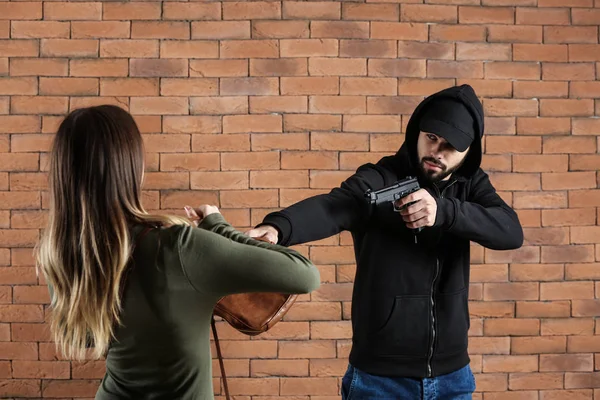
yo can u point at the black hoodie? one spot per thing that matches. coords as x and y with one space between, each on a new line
410 313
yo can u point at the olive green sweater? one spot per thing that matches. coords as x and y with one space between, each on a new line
162 349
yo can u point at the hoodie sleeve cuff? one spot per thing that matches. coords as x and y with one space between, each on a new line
446 214
282 224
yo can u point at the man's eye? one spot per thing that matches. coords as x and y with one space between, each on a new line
431 137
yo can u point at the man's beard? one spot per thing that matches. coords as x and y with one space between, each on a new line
437 176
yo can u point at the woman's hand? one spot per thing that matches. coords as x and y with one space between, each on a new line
197 215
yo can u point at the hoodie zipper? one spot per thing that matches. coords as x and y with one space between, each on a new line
432 299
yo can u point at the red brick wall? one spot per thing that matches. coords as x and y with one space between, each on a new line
256 105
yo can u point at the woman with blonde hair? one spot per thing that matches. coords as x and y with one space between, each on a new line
140 288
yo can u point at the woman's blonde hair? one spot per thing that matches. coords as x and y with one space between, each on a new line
95 179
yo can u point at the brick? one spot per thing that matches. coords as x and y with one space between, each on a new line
161 30
569 3
252 123
279 67
581 380
252 10
573 216
69 48
421 87
78 388
510 70
497 163
539 163
19 124
508 2
529 218
189 162
511 291
191 11
327 180
314 311
159 105
370 12
565 71
539 89
17 276
158 68
584 162
583 344
457 33
21 387
535 381
486 15
483 51
515 34
544 309
572 253
18 86
581 271
570 34
99 68
485 309
249 49
178 199
166 143
89 370
515 182
489 345
131 11
273 141
278 179
249 198
536 272
308 47
38 67
368 86
166 180
218 143
309 85
129 87
511 327
315 10
538 345
39 105
100 29
300 122
19 48
540 16
337 105
504 107
568 180
280 29
584 89
339 141
253 86
217 106
309 160
68 86
41 369
428 13
584 52
566 362
510 363
330 330
398 68
129 48
247 161
566 290
313 386
540 52
189 87
565 144
276 104
371 123
265 368
340 29
24 10
221 30
565 326
399 31
218 68
586 308
333 67
39 29
72 11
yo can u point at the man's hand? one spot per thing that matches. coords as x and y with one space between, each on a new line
200 213
265 232
421 213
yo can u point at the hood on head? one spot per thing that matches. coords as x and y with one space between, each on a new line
464 94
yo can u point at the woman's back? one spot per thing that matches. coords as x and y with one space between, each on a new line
162 348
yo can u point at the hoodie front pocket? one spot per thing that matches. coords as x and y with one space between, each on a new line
406 330
453 322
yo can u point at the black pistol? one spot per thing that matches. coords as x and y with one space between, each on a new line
393 193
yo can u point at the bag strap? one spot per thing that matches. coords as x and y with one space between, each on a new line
220 356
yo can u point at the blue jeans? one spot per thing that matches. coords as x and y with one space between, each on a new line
457 385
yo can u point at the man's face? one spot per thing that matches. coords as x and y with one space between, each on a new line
437 158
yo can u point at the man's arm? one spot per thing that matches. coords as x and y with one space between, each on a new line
321 216
484 218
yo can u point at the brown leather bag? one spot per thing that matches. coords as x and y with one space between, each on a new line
251 314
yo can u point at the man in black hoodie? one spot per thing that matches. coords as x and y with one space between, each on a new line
410 316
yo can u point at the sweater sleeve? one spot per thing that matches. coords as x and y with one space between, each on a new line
220 260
